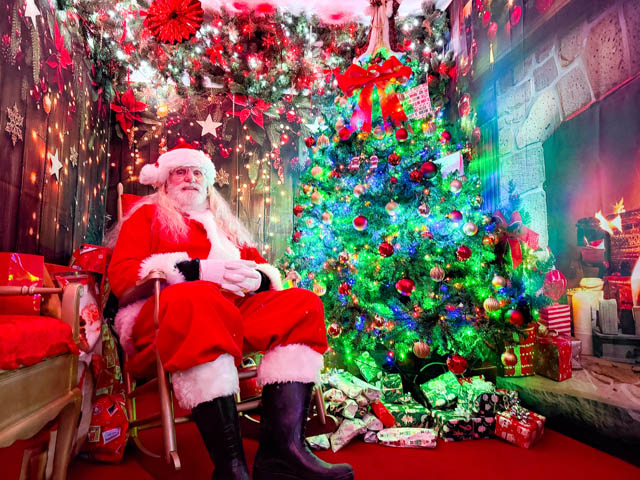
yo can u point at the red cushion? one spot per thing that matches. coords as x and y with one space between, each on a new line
28 339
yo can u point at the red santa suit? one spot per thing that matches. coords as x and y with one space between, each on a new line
203 330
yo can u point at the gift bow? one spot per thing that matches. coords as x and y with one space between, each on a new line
515 233
379 76
254 107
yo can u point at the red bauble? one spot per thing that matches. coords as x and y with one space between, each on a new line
405 286
555 284
509 359
360 223
402 134
445 137
429 169
394 159
516 15
486 18
296 236
455 216
415 176
344 289
393 180
344 133
309 141
493 31
457 364
385 249
174 21
463 253
297 210
515 317
334 330
291 116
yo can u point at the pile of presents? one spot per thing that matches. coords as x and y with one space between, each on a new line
456 408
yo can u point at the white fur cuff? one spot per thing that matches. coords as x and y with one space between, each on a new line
165 262
290 363
206 381
124 322
272 273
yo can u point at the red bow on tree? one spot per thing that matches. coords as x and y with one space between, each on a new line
215 55
126 109
516 232
379 76
251 107
60 59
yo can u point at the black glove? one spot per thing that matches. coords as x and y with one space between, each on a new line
190 269
265 283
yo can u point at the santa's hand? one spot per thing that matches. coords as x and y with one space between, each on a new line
226 271
233 288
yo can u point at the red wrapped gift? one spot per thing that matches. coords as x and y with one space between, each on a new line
94 259
557 317
552 356
619 288
20 270
519 426
107 434
523 350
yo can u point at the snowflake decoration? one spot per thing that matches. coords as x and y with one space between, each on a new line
14 124
73 156
222 178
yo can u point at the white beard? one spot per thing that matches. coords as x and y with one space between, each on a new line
186 199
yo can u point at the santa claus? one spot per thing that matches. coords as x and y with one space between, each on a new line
221 300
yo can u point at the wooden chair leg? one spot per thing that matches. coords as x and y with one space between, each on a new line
67 424
168 425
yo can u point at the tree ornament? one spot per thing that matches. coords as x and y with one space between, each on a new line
306 189
415 176
402 134
509 358
174 21
344 133
455 216
470 229
327 218
429 169
491 304
504 302
445 138
46 103
14 124
477 201
360 223
515 318
498 281
378 321
319 289
323 141
373 163
424 210
344 289
493 31
455 186
405 287
297 210
394 159
393 180
385 249
555 284
463 253
457 364
208 126
391 207
421 349
316 198
309 142
543 330
378 132
334 330
316 172
464 105
297 235
358 190
126 108
437 274
490 240
343 258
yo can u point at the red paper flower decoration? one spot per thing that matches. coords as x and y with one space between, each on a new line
126 108
174 21
60 59
245 107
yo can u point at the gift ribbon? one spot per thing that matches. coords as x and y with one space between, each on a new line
516 232
380 76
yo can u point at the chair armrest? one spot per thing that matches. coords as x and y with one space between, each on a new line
143 288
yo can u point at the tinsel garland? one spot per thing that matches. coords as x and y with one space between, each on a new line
35 53
16 34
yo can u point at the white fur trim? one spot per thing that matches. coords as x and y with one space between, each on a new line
158 172
124 322
206 381
290 363
221 246
166 263
273 273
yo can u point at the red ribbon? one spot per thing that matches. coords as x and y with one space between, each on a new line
516 232
379 76
254 107
215 55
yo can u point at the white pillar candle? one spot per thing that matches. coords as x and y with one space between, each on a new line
584 305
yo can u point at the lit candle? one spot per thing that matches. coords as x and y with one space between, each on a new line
584 305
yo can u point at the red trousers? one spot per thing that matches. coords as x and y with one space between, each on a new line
198 323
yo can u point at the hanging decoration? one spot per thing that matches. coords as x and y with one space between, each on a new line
127 108
60 59
14 124
245 107
174 21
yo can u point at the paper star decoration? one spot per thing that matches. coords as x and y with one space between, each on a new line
317 125
55 165
73 156
209 126
14 124
31 11
222 178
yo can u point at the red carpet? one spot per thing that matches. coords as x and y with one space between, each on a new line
554 457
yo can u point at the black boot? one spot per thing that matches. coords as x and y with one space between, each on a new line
283 452
217 421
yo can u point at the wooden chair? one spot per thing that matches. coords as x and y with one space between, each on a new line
150 286
32 396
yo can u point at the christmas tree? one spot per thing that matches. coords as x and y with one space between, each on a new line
390 232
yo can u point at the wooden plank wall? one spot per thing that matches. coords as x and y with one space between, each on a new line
43 213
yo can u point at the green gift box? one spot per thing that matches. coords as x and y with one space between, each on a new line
368 367
441 391
479 397
410 415
392 389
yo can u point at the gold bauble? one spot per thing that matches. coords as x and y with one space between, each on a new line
491 304
319 289
421 349
437 273
499 281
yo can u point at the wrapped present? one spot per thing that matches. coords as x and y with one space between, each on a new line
319 442
343 383
576 353
21 270
462 380
383 414
478 397
416 102
107 435
523 350
94 259
408 437
372 422
441 391
410 415
552 357
370 437
618 288
347 431
368 367
334 395
506 399
452 163
557 317
453 425
392 388
370 392
608 316
519 426
483 427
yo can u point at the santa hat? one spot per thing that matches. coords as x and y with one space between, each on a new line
181 156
